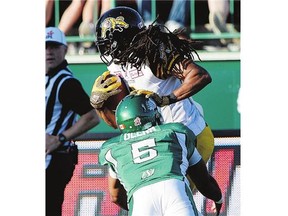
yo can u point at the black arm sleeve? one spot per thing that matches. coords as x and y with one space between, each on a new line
204 182
73 96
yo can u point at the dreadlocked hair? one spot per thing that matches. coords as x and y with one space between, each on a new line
157 47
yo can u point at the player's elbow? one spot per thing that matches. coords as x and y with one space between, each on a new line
207 78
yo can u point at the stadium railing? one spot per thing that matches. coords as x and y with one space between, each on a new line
194 34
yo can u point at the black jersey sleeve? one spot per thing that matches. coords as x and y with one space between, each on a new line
73 96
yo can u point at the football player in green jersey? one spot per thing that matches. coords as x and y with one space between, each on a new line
150 161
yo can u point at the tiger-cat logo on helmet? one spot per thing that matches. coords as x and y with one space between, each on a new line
113 24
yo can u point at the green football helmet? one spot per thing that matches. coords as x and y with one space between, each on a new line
136 113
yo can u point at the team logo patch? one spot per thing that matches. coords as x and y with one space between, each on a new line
137 121
147 173
113 24
49 34
122 127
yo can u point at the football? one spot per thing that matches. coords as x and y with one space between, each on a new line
108 117
112 102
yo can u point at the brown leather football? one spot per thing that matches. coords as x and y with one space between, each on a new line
107 112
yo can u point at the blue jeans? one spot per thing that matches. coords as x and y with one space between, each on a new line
180 11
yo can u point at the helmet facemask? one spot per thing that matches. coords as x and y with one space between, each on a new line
115 30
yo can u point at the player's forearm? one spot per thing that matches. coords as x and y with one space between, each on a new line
192 84
211 190
85 123
117 193
204 182
121 202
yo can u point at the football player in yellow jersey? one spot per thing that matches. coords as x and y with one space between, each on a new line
155 62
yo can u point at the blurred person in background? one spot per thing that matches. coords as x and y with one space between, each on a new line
218 14
178 14
75 10
219 11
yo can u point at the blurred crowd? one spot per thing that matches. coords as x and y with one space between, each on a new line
78 18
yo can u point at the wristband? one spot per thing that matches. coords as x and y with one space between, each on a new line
172 98
220 201
62 138
169 99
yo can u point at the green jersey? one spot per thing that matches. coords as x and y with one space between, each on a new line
145 157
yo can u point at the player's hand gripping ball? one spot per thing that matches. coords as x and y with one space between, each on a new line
113 101
108 90
104 87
